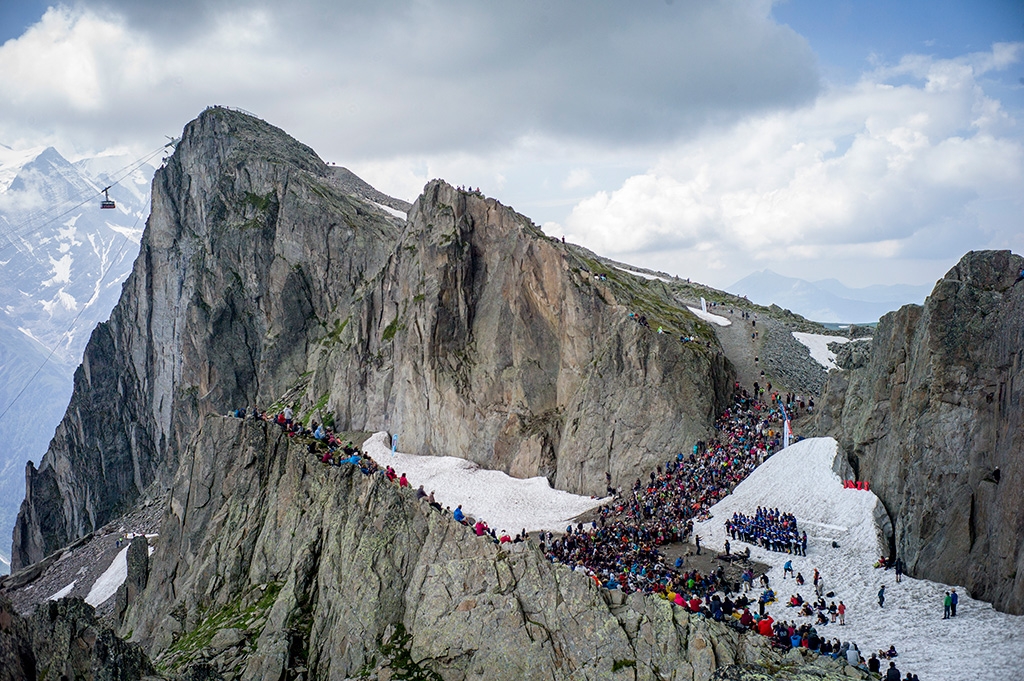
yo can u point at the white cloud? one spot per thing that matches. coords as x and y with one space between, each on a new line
577 178
878 171
401 77
539 102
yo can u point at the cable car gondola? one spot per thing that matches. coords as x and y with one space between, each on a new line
107 202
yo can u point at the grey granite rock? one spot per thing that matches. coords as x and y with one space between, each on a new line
934 420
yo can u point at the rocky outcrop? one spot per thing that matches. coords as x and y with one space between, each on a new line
63 640
271 564
509 351
261 280
934 419
17 661
138 574
852 355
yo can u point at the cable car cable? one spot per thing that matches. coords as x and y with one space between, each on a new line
127 170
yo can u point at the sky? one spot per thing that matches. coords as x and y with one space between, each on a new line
873 142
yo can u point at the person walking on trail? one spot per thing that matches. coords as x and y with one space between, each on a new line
947 604
881 597
953 599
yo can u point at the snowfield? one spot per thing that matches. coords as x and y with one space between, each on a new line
391 211
643 275
708 317
979 643
503 502
818 345
106 585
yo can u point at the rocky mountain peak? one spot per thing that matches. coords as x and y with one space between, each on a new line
992 271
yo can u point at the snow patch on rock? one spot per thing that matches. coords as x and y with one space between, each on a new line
818 345
709 317
63 592
503 502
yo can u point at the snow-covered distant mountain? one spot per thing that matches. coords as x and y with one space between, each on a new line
828 300
62 263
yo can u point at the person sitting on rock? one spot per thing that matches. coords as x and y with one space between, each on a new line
458 514
403 481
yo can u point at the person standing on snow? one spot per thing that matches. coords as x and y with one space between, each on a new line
842 613
881 597
953 598
947 603
892 674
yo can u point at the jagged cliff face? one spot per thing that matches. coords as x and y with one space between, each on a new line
934 419
347 557
509 352
260 280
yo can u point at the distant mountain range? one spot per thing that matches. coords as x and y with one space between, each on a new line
828 300
62 263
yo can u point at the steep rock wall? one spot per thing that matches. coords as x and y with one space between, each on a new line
509 352
934 419
349 557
